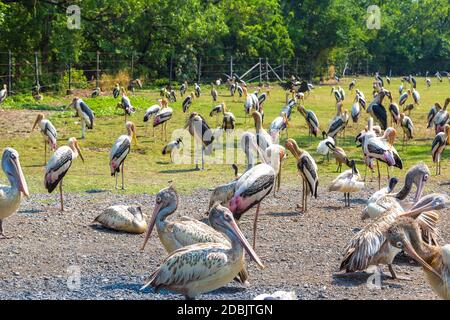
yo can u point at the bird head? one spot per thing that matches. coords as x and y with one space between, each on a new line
11 166
73 144
131 129
39 118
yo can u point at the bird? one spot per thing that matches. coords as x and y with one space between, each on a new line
197 90
11 196
162 117
404 97
432 114
394 110
251 103
123 218
355 112
120 150
275 154
339 154
183 232
125 104
352 85
388 80
347 182
441 117
278 125
408 128
135 83
416 96
307 168
338 124
323 148
204 267
217 110
428 81
58 166
183 88
311 120
3 93
171 147
360 98
228 120
377 110
401 87
263 138
116 91
214 93
172 96
438 146
405 235
152 111
96 92
203 135
337 94
377 195
85 113
370 245
187 102
48 131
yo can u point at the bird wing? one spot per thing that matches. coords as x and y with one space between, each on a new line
379 113
50 130
57 167
189 231
88 112
308 169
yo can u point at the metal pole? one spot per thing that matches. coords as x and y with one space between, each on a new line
267 70
98 69
36 67
231 66
9 72
199 71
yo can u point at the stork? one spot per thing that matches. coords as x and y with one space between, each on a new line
120 150
85 113
116 91
48 130
152 111
408 128
162 117
203 135
214 94
311 120
279 124
95 93
263 138
58 166
171 147
3 93
187 102
197 90
438 146
347 182
183 88
125 104
11 196
377 110
441 117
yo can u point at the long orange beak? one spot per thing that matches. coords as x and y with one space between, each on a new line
23 187
235 229
413 254
35 123
79 152
151 225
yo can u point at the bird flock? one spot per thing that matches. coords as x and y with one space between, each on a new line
202 257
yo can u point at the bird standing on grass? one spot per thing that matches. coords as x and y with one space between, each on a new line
48 130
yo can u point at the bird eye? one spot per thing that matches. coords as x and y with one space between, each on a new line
425 177
158 199
398 244
13 156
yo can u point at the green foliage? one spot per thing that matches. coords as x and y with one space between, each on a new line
78 80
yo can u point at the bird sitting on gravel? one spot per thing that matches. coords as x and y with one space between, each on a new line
123 218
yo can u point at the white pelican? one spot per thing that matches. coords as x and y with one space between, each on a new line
204 267
120 150
322 147
438 146
308 169
10 196
184 232
171 147
48 130
59 165
123 218
347 182
377 195
85 113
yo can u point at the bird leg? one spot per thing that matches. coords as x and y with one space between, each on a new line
303 197
2 235
45 152
203 158
255 221
279 179
115 175
61 197
83 128
123 164
394 274
379 176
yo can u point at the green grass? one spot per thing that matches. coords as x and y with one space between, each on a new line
147 170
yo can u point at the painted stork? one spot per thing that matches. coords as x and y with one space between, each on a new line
338 124
120 150
240 91
435 260
311 120
58 166
95 93
347 182
197 90
123 218
11 196
279 124
377 110
414 82
352 85
403 98
360 98
172 96
337 94
401 88
217 110
233 88
228 120
438 146
203 135
125 105
162 117
204 267
378 195
380 79
416 96
408 128
214 93
441 117
287 109
356 111
152 111
48 130
263 138
3 93
251 103
171 147
370 245
116 91
85 113
394 110
388 80
408 108
428 81
187 102
183 88
308 170
432 114
339 154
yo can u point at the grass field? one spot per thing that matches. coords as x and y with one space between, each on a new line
147 170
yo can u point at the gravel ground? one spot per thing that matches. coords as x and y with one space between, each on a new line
301 251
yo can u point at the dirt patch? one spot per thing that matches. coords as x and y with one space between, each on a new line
22 121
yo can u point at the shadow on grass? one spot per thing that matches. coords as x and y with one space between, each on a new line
93 191
128 286
179 170
283 214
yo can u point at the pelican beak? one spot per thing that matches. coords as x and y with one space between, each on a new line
245 244
413 254
152 224
23 187
419 191
79 151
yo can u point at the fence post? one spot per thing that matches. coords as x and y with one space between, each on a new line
260 71
231 66
296 67
9 72
70 73
170 70
36 67
199 71
97 70
282 71
267 70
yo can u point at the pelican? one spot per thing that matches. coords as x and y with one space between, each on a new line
417 175
311 121
85 113
347 182
187 102
123 218
125 104
10 196
438 146
152 111
48 131
279 124
204 267
3 93
184 232
308 170
183 88
116 91
378 195
197 90
58 166
407 126
435 260
200 130
370 246
120 150
441 117
161 118
263 138
171 147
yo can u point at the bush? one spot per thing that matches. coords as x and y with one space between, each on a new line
79 80
108 81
